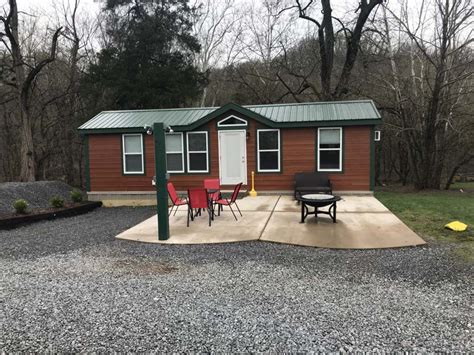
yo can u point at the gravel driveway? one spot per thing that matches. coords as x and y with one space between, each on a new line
68 286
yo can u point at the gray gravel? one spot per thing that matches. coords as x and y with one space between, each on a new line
68 286
37 193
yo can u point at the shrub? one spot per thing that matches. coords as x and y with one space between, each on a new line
56 202
76 195
20 206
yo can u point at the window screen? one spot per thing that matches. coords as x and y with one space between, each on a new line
132 147
197 152
174 153
268 150
330 149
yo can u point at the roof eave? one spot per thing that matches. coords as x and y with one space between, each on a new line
306 124
328 123
84 131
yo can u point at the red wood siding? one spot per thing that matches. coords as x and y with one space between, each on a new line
298 149
356 161
105 163
297 155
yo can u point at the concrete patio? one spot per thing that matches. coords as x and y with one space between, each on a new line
362 223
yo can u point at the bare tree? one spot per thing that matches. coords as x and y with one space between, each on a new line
24 76
431 86
327 36
216 26
79 31
268 31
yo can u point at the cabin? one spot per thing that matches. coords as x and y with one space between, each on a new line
229 143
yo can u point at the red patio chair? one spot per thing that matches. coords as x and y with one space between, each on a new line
198 199
213 184
177 201
233 201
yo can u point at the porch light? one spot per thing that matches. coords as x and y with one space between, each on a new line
149 129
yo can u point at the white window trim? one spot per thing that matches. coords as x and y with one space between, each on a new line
176 152
377 136
243 124
197 151
330 149
268 150
124 154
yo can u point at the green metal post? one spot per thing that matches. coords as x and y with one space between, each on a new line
161 182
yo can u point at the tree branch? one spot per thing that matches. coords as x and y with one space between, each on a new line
37 68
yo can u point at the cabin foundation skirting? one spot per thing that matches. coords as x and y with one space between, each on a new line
120 198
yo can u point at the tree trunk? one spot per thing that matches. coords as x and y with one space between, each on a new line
455 169
449 182
326 50
70 120
326 40
203 97
353 44
24 82
27 162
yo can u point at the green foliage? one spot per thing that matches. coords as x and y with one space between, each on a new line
76 195
20 206
465 185
56 202
149 61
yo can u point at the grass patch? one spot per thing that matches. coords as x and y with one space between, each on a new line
467 186
427 213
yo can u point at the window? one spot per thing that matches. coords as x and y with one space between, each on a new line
132 148
175 153
197 152
329 149
232 121
377 136
268 150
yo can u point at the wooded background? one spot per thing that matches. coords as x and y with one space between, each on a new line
413 58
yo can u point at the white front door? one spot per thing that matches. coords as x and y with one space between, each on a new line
232 157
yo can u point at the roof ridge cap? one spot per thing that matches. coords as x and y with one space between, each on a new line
311 103
161 109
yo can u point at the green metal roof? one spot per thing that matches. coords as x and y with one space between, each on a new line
279 115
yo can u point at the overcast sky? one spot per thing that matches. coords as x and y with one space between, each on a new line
94 5
43 9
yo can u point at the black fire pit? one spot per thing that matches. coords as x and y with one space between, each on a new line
317 201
